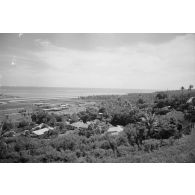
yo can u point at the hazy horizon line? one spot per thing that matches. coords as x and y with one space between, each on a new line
23 86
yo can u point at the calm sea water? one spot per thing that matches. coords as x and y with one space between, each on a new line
58 92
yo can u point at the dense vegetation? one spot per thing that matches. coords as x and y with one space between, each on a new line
157 128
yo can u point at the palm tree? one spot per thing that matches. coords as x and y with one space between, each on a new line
182 89
190 89
150 122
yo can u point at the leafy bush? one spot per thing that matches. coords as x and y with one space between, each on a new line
74 118
87 132
3 149
99 153
103 145
67 142
62 126
88 115
166 129
23 124
190 116
135 133
161 95
24 143
7 125
43 117
126 150
140 101
122 140
50 134
125 117
151 144
59 118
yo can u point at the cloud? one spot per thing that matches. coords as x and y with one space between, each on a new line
169 64
142 65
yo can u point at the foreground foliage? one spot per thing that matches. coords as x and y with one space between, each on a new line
156 129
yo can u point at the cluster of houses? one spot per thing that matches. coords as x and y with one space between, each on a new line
111 129
42 128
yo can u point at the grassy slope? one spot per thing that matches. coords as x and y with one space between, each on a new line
182 151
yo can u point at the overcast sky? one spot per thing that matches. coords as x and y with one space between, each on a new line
135 61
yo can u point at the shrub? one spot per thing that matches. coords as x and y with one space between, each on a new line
61 126
7 125
161 95
13 157
69 156
102 110
59 118
43 117
23 124
99 153
85 132
167 128
125 117
142 106
88 115
25 143
74 118
122 140
50 155
9 134
50 134
140 101
70 127
187 130
161 103
151 144
126 150
103 144
3 149
67 142
135 133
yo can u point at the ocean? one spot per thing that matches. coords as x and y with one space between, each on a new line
60 92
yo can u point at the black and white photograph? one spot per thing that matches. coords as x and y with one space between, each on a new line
97 98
